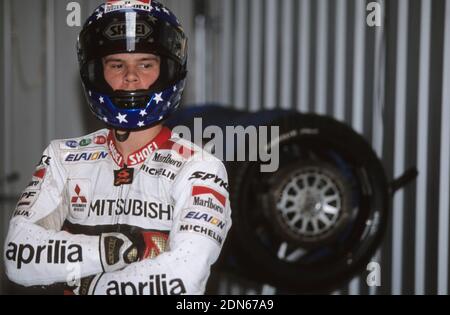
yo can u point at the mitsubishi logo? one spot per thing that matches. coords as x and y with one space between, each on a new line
78 196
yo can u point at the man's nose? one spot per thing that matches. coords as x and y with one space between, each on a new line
131 76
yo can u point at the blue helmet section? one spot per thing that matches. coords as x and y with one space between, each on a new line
159 107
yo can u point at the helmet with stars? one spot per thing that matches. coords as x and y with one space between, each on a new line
144 26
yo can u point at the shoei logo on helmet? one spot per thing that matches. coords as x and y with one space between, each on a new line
119 30
114 5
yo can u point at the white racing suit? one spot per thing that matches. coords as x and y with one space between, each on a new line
171 191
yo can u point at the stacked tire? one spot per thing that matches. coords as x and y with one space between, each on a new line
317 220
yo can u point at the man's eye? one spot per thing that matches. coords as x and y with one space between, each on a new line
147 65
116 66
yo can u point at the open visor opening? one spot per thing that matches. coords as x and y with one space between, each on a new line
131 31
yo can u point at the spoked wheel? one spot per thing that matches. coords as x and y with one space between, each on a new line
310 202
319 218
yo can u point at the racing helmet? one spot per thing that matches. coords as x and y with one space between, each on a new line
133 27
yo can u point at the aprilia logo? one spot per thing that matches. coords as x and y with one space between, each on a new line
157 285
56 252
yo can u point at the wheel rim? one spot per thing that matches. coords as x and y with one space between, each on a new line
310 204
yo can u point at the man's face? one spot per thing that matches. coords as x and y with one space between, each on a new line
130 72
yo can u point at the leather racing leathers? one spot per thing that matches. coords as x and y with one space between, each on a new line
170 191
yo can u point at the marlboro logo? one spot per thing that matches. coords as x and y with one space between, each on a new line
202 190
114 5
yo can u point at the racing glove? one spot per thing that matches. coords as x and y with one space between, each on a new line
152 244
117 251
145 245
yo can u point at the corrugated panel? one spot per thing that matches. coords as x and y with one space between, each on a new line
411 110
226 60
287 53
340 70
399 143
271 52
422 125
303 69
256 54
339 61
444 183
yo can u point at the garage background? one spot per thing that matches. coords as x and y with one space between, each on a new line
389 82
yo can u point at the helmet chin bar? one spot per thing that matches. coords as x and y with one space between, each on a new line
131 99
122 137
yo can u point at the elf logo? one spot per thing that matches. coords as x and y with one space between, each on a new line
156 285
55 252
